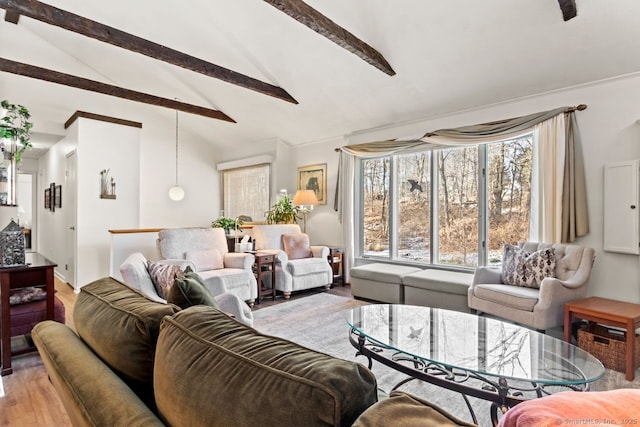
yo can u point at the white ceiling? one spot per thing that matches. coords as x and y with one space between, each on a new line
449 55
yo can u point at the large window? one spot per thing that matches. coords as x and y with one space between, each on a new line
455 206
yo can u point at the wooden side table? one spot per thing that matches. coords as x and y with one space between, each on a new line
609 312
336 260
38 272
264 266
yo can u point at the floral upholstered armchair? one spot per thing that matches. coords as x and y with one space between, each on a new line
535 282
300 265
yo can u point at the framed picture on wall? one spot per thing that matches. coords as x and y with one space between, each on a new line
52 197
58 198
314 177
47 198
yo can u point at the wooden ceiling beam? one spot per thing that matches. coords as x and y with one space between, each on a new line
95 30
569 9
324 26
39 73
11 16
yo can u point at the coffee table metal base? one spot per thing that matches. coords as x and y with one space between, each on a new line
501 393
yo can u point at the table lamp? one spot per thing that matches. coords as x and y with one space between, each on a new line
306 199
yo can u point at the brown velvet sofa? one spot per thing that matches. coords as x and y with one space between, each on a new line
137 362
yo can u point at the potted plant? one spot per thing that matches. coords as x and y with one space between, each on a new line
227 223
15 126
283 212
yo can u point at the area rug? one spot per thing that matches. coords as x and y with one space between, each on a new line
318 322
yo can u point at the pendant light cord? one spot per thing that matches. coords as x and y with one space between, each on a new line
176 147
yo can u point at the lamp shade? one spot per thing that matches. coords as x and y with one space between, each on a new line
305 197
176 193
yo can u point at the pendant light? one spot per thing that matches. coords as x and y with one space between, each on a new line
176 192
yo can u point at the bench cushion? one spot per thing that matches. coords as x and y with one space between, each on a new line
380 272
451 282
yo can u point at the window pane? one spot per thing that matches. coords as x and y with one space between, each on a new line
509 198
458 206
414 195
375 173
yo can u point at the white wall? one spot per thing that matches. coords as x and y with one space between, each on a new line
609 134
99 145
197 176
103 145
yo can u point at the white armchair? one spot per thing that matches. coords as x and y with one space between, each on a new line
539 308
135 275
293 274
207 249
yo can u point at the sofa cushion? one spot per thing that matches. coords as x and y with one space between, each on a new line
518 297
162 276
189 290
402 409
521 268
296 245
301 267
209 259
174 243
135 274
121 326
201 349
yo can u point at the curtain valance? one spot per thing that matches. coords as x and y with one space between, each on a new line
473 134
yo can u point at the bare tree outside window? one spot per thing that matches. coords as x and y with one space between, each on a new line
458 222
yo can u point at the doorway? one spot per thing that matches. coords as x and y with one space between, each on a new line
70 220
25 199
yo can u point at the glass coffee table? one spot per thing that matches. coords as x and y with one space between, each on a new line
473 355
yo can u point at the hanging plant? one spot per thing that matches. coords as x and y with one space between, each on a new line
284 212
15 124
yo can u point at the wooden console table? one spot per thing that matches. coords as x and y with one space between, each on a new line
37 272
608 312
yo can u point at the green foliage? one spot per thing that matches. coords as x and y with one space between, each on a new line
284 212
227 223
16 124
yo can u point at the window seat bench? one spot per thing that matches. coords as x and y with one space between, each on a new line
398 284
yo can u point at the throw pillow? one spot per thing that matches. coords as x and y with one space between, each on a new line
521 268
188 290
296 245
210 259
162 276
25 295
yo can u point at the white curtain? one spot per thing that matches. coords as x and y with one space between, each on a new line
547 180
345 205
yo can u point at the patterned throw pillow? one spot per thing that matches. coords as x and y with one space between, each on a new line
522 268
25 295
162 276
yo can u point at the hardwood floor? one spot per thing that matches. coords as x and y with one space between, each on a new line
27 398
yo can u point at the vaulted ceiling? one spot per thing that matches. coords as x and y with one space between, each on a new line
446 55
